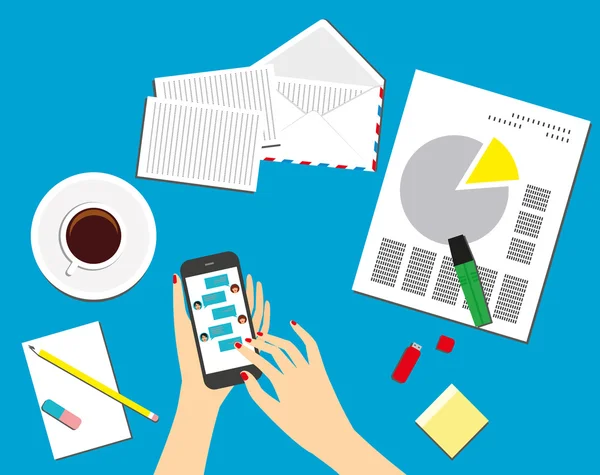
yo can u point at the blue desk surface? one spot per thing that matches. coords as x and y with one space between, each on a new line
74 79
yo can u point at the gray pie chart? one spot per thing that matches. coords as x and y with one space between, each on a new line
430 199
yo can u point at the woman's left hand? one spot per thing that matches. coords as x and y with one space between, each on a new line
186 450
193 388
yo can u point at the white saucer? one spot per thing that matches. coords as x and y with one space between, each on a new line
139 248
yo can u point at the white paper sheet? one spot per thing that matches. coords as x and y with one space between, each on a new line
242 88
103 419
512 227
202 145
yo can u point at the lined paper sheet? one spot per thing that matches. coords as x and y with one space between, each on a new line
243 88
319 96
200 145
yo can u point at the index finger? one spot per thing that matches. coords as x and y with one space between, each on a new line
312 350
266 323
288 346
250 292
267 368
257 316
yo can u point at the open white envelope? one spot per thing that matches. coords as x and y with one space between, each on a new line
328 102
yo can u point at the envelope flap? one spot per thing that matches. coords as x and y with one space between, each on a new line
312 140
357 123
321 53
319 96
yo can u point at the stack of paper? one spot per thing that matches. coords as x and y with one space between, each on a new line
313 101
208 129
244 89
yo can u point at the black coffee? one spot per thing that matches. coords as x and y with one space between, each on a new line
93 236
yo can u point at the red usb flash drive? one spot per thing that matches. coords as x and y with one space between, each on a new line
407 363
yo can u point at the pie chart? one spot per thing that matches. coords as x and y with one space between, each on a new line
495 164
428 193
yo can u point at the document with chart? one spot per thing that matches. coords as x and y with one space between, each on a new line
468 161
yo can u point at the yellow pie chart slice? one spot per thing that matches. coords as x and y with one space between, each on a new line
496 164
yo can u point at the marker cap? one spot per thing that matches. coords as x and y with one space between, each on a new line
460 250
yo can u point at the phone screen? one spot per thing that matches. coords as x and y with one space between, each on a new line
221 318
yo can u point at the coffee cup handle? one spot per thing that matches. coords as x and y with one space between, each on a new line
71 269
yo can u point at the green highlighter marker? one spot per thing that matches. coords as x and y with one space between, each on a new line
466 270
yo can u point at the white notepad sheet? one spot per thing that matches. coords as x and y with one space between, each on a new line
103 419
191 143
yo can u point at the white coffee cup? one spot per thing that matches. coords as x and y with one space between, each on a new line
64 230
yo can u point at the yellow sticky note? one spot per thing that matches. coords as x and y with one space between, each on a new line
452 421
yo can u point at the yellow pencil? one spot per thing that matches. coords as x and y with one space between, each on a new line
95 384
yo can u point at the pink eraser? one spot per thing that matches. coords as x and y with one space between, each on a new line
61 414
70 420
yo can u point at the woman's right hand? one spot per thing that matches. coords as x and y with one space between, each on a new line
308 409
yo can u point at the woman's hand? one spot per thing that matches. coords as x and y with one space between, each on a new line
308 409
193 389
186 449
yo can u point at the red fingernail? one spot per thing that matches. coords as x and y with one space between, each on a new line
244 376
259 333
293 322
249 340
174 278
238 344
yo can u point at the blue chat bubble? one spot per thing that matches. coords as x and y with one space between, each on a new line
214 298
224 312
226 345
220 330
216 281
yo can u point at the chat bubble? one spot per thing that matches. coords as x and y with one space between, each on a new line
216 281
214 298
224 312
226 345
220 330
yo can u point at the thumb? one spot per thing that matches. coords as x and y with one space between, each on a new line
258 394
178 301
184 335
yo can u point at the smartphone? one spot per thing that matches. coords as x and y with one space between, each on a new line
218 308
